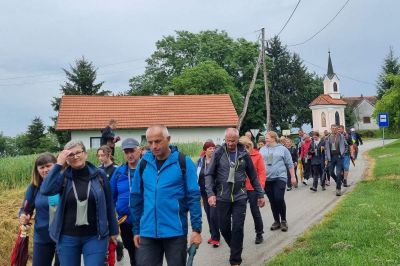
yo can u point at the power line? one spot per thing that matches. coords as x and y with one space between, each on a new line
287 21
309 39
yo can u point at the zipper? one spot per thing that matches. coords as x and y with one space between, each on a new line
233 185
155 203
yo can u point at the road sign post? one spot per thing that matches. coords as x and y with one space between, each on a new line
383 121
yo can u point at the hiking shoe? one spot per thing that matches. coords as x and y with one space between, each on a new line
259 239
210 241
313 189
120 250
284 226
289 189
338 192
305 183
323 188
215 243
345 183
275 226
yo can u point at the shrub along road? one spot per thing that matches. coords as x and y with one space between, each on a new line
304 209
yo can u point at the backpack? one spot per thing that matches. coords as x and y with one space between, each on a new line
182 164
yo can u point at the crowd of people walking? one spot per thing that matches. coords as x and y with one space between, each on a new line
85 210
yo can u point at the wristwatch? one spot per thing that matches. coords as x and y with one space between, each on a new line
197 230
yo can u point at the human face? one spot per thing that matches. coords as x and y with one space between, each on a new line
77 157
288 143
340 130
248 134
44 169
315 137
210 151
103 157
334 129
132 156
269 140
159 144
231 141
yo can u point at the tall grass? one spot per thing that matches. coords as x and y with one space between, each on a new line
15 172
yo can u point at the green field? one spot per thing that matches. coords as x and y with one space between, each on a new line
364 229
16 171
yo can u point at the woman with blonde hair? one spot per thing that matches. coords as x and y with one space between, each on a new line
277 160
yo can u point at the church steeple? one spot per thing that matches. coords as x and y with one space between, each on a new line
331 81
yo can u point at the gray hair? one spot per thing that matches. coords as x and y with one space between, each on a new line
73 143
232 131
163 128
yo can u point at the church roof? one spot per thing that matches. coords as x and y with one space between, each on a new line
353 102
330 72
325 99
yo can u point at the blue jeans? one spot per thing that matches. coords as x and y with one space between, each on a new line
70 248
43 254
336 162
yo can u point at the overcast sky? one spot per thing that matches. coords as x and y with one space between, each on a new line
40 37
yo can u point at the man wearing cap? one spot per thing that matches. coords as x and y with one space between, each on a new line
120 185
163 191
226 189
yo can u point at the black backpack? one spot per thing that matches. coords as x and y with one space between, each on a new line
182 164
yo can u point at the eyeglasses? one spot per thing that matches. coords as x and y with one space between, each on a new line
76 154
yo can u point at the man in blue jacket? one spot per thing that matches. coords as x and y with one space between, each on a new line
162 194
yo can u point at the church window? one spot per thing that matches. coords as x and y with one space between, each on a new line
323 120
334 86
337 119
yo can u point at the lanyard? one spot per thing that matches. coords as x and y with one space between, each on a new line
76 194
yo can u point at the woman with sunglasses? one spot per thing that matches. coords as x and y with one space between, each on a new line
85 219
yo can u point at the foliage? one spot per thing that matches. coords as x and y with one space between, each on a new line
390 66
389 103
7 146
349 116
80 81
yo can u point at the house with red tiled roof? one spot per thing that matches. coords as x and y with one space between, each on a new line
328 108
189 118
363 108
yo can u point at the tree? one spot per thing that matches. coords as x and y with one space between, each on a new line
350 118
391 65
35 133
206 78
389 103
80 81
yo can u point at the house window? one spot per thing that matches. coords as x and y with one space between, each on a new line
367 120
334 87
323 120
143 140
94 142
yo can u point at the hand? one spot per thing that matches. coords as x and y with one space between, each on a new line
195 238
261 202
295 164
136 240
114 239
293 181
24 219
326 163
62 157
212 201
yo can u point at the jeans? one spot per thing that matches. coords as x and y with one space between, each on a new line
336 162
316 171
275 191
43 254
255 211
127 239
151 251
93 249
231 221
212 218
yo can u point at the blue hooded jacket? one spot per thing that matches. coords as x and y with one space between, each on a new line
160 200
54 183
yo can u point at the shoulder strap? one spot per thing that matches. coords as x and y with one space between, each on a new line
142 165
182 164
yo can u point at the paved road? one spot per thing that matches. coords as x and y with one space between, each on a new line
304 208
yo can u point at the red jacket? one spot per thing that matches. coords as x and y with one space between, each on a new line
304 149
258 162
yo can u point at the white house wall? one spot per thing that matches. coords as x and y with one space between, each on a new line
178 135
365 109
329 111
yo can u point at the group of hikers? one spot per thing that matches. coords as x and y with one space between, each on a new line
85 210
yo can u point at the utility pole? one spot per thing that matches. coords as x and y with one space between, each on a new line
267 102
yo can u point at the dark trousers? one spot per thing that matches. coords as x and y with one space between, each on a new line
336 163
307 169
231 221
275 191
289 179
255 211
152 250
43 254
127 239
316 171
212 218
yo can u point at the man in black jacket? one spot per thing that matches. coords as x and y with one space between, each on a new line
227 173
108 137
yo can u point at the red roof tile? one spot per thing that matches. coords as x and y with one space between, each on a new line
94 112
325 99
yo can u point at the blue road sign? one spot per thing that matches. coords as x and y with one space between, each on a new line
383 120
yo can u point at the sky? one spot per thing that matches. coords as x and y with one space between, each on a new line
39 38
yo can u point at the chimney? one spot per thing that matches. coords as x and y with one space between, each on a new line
171 93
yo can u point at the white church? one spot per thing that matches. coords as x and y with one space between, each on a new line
328 108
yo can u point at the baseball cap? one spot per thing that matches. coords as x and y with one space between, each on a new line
129 143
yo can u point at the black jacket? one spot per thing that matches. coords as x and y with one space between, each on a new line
217 173
106 134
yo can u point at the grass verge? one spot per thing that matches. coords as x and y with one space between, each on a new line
364 229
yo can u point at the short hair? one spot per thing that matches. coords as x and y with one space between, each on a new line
334 125
341 126
163 129
316 133
73 143
273 135
246 141
42 159
232 130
